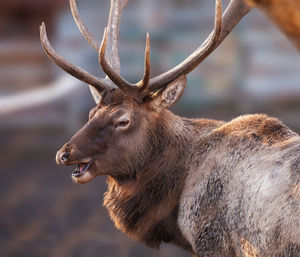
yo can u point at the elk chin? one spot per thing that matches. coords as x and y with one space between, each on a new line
82 174
83 179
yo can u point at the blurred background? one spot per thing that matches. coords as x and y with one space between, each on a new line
255 70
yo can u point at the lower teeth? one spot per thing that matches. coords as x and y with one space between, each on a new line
81 168
76 172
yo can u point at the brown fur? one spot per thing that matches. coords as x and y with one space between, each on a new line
153 196
187 181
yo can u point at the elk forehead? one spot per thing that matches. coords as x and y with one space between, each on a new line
106 115
113 96
112 99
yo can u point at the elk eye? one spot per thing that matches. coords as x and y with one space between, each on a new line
122 123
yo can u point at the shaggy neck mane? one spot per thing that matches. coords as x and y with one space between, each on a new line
145 206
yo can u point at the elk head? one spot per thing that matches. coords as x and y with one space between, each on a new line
122 123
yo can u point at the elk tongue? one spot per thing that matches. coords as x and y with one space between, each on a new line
81 169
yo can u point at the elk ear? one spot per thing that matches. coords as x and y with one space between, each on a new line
169 95
95 94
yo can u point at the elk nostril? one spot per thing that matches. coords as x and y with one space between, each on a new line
65 156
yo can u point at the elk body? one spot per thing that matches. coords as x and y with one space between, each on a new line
211 187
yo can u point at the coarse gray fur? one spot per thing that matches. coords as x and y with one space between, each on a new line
242 193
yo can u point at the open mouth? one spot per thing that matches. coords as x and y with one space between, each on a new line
81 169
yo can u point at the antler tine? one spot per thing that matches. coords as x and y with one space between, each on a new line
89 36
195 58
135 90
113 26
146 78
108 50
70 68
109 58
116 8
110 72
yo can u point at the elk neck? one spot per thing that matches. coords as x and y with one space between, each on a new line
145 206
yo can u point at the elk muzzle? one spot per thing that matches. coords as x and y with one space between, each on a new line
63 155
69 155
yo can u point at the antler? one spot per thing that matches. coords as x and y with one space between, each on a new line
89 36
67 66
108 51
109 56
234 12
116 9
136 90
100 85
115 13
139 92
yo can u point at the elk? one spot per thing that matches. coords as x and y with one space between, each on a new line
213 188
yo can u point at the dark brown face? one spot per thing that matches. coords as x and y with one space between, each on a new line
116 135
104 141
